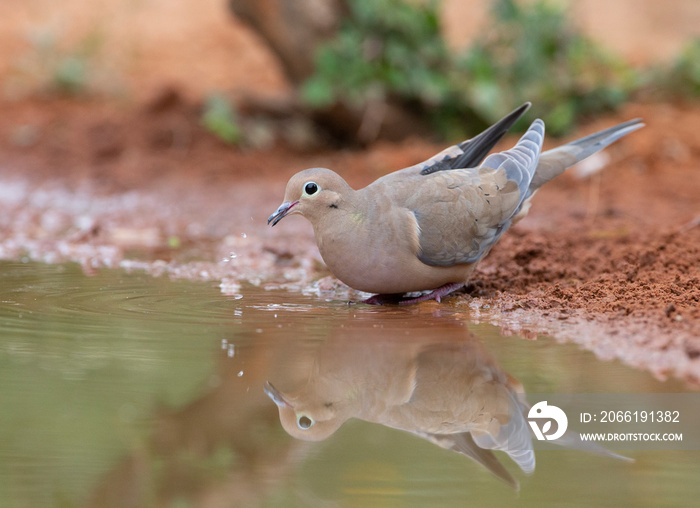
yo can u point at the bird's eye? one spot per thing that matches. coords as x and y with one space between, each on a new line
311 188
304 422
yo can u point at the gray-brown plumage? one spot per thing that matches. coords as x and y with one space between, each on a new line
447 390
452 394
427 226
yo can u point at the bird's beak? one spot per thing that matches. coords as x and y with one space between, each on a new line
281 213
275 395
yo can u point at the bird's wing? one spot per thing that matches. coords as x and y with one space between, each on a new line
464 443
469 153
462 213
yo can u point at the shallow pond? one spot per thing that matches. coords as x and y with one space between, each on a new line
125 390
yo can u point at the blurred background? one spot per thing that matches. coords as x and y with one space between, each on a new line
356 70
142 138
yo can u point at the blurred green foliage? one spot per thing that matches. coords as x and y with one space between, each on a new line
532 52
59 70
393 49
385 47
70 75
219 118
387 50
682 78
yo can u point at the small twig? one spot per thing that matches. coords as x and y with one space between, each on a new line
593 197
690 225
372 119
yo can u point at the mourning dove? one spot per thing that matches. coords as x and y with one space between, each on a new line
450 392
426 227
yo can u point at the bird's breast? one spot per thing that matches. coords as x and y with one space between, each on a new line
381 255
365 253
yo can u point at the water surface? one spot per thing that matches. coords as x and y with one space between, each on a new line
126 390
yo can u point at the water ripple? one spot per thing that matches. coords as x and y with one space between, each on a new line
64 294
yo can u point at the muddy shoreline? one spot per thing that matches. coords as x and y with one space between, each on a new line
610 261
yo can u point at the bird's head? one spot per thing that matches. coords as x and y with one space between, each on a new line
304 419
312 193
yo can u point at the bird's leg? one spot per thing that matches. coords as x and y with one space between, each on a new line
383 299
398 298
436 294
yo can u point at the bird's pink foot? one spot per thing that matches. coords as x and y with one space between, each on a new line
383 299
436 294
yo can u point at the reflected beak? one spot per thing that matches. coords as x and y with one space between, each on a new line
275 395
281 213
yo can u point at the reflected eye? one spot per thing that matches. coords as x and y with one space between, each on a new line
311 188
304 422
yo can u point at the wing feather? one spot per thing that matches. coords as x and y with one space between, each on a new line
469 153
462 213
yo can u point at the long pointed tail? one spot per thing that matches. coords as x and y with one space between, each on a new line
556 161
520 163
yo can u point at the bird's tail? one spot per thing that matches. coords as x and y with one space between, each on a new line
520 163
556 161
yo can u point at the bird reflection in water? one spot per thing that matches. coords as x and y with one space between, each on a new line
449 392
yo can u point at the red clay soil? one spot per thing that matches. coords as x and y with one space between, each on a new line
621 250
611 260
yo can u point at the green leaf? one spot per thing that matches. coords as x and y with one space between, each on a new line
220 119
